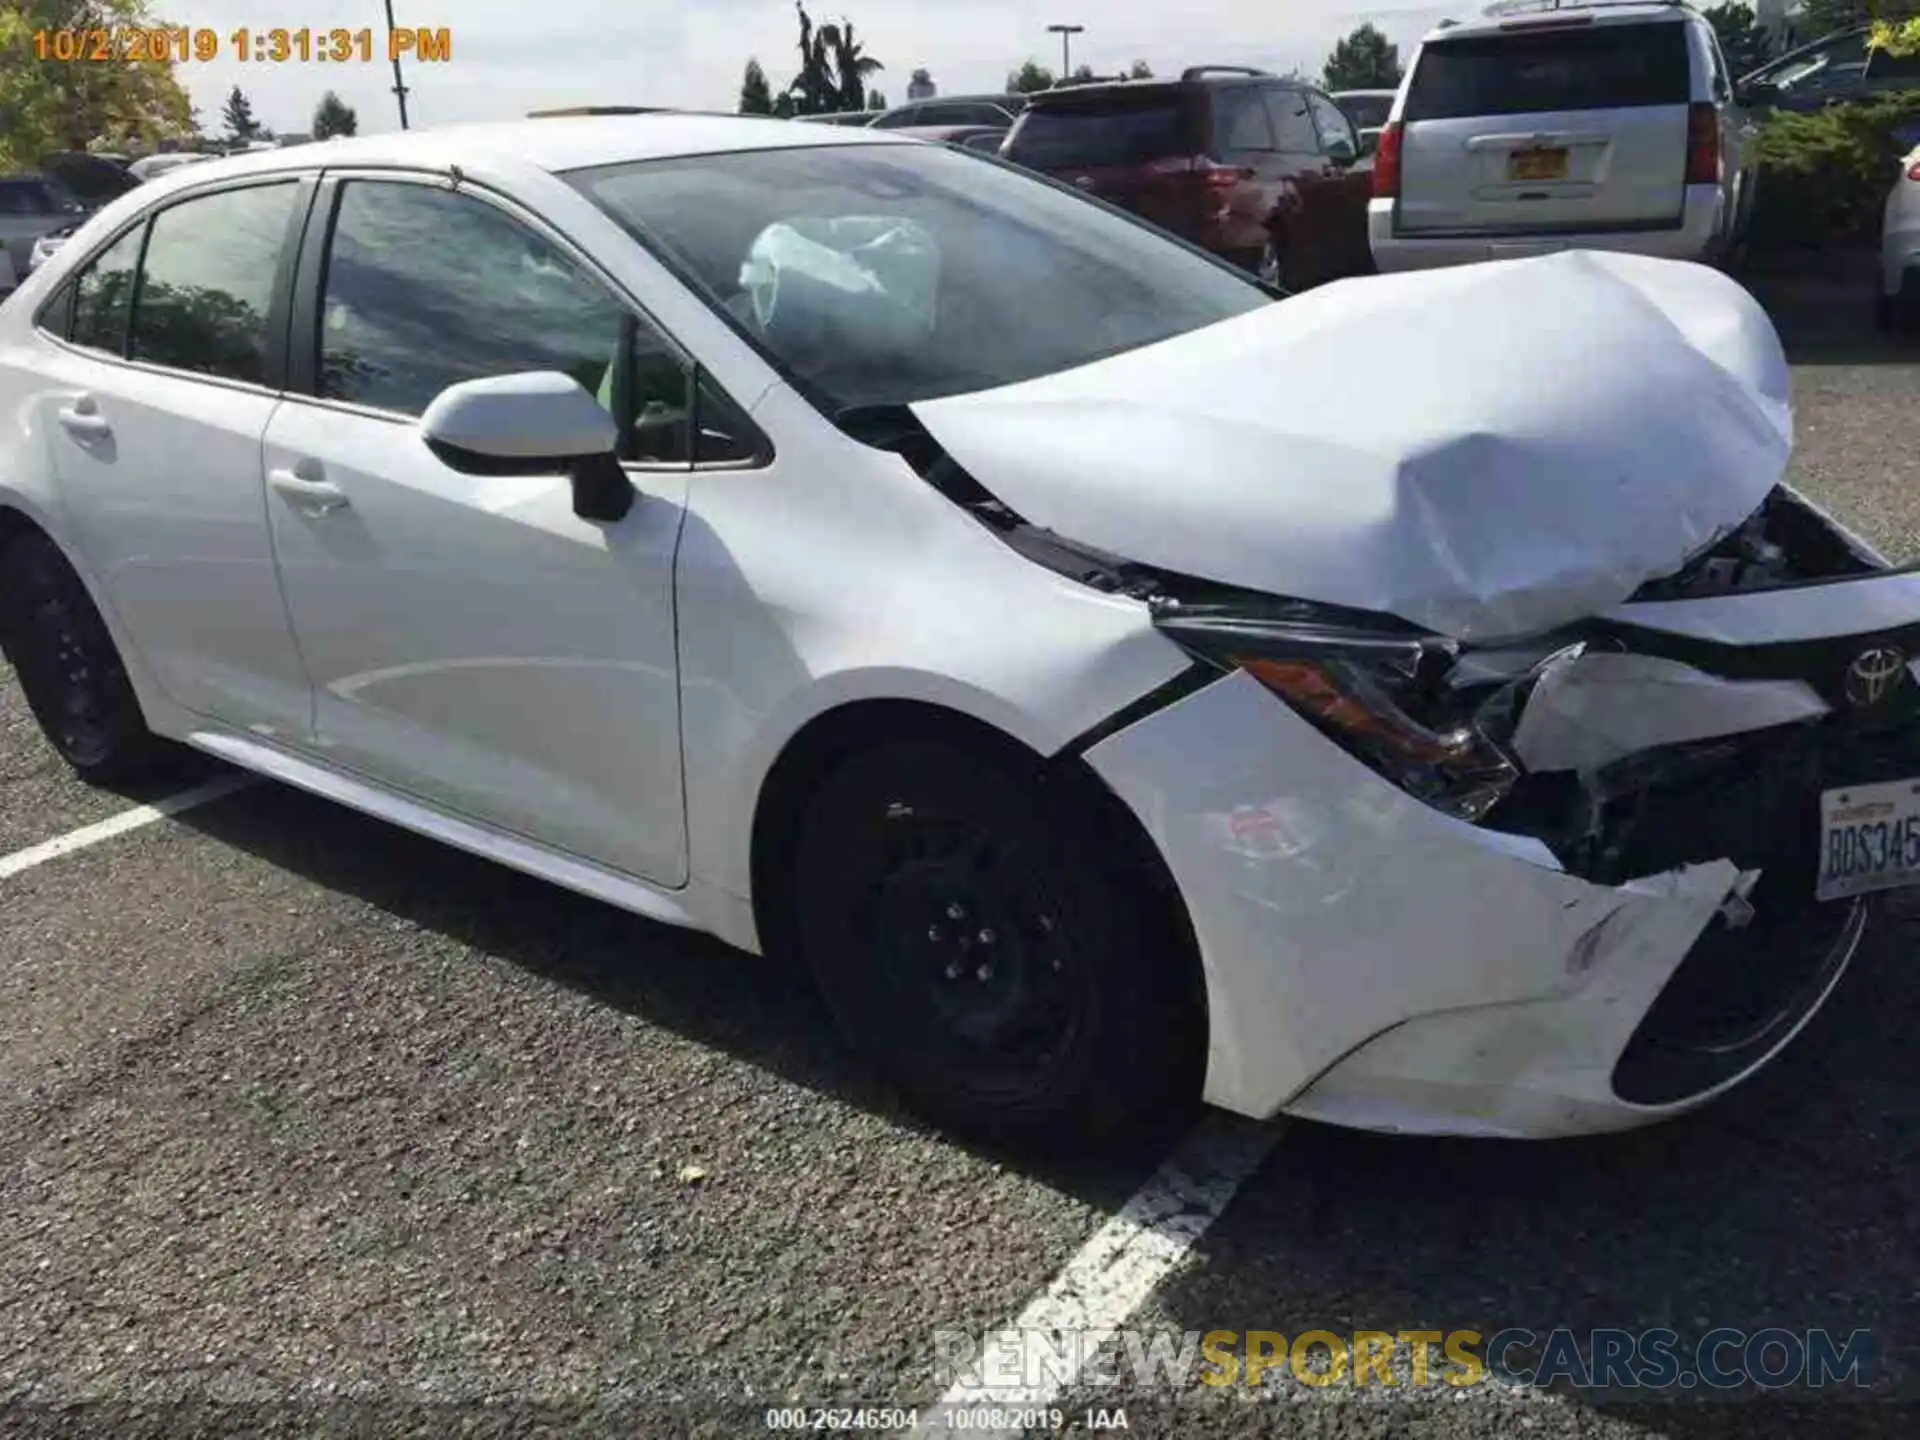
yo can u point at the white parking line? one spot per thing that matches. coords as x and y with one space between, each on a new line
11 865
1120 1266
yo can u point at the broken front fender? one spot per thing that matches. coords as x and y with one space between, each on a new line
1331 908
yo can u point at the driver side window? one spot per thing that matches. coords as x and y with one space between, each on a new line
426 287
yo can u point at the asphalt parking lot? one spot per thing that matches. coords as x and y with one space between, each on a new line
311 1125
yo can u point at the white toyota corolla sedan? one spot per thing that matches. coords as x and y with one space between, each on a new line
1416 705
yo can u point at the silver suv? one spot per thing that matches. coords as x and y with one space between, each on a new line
1601 127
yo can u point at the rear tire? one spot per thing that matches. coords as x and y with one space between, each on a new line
68 666
985 951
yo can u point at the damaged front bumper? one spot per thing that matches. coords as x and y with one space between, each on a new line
1633 928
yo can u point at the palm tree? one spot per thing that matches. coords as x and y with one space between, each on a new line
814 90
852 67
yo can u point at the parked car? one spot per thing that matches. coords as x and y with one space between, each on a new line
1832 70
32 207
1899 295
93 180
1368 110
1612 128
988 138
891 560
1263 171
1000 110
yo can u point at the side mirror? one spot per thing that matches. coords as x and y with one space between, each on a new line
532 423
1341 152
1369 143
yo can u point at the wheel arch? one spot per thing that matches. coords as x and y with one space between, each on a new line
835 735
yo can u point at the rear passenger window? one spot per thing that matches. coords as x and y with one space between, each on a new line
1113 130
1240 119
1603 67
1332 124
1292 125
103 295
206 284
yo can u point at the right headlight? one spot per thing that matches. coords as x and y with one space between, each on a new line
1378 695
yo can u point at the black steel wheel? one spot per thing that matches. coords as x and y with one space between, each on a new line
985 952
68 668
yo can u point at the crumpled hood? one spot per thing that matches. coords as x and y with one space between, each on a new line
1488 451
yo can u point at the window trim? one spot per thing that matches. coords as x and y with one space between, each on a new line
309 288
305 181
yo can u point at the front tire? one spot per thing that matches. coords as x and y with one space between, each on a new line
981 945
67 665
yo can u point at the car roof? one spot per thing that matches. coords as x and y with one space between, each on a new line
1363 94
558 144
1519 18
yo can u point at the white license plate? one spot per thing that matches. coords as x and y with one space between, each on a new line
1869 838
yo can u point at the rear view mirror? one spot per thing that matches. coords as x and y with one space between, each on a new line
532 423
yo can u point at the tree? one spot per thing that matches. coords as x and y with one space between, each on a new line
333 116
875 100
851 64
237 114
814 90
1747 46
1365 60
1823 17
1031 78
1140 70
53 106
756 96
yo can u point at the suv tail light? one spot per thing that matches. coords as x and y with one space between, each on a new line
1386 163
1703 145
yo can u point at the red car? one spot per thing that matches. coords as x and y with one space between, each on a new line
1264 171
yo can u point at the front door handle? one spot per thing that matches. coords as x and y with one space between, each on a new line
83 418
315 497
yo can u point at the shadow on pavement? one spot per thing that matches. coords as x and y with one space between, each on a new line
1790 1202
761 1011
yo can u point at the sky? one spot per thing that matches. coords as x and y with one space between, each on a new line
511 56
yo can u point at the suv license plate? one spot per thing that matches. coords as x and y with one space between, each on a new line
1869 839
1537 165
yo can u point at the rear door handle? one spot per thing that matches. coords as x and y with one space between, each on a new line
315 497
83 418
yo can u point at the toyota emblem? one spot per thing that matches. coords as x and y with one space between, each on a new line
1873 675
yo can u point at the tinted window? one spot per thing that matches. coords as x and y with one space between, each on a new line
1332 124
1604 67
103 295
426 288
1367 112
905 115
881 274
1292 122
1121 130
1240 119
1893 69
29 197
207 282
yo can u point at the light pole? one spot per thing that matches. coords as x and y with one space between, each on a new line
399 84
1066 34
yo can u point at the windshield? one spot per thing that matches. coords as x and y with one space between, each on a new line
885 274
